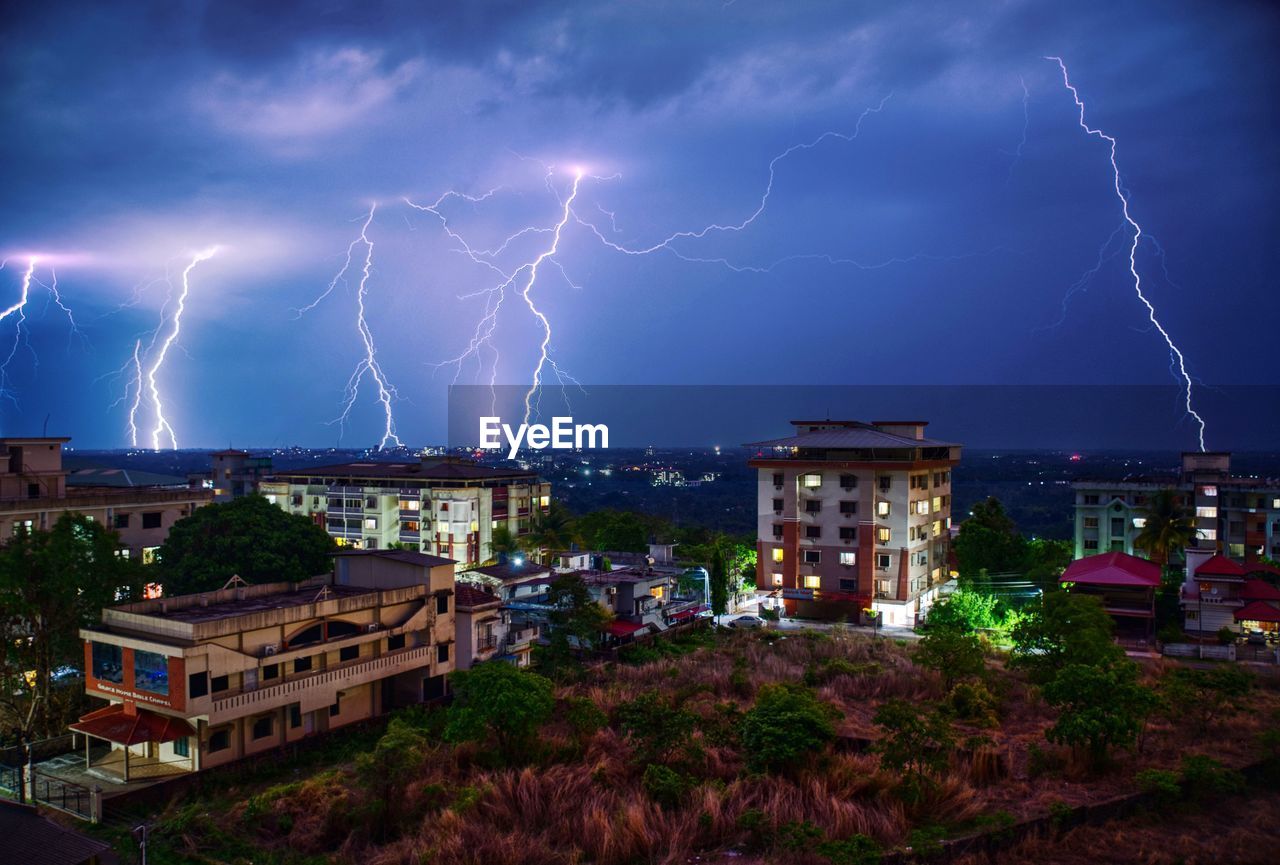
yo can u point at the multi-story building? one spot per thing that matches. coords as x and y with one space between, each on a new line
486 632
444 506
194 681
1237 516
34 492
236 473
854 516
1222 593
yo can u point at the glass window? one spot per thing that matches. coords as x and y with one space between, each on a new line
108 663
301 665
442 653
348 653
777 554
442 604
220 740
813 480
812 582
150 672
151 519
262 727
848 558
181 748
197 685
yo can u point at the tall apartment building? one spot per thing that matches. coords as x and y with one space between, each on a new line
854 516
443 506
34 492
236 473
1236 516
194 681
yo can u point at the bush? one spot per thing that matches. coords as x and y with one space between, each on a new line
584 716
971 701
1161 784
665 786
952 652
655 727
1204 778
926 842
787 723
1226 636
1170 633
854 850
1044 761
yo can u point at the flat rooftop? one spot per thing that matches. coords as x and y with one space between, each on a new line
187 608
442 469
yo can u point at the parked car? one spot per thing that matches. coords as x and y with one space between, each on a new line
747 621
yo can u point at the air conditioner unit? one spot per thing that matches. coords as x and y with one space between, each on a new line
777 486
372 626
270 649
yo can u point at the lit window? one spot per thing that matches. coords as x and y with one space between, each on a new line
777 554
1209 534
882 509
813 582
777 579
813 480
1207 513
371 524
848 558
937 503
149 556
1211 492
545 501
884 535
1139 522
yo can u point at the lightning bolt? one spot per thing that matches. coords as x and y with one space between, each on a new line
163 426
369 363
1133 253
17 309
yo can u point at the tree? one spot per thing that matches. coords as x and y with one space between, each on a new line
952 652
52 583
915 743
552 531
1064 628
719 582
622 531
574 614
655 727
965 609
1204 696
387 770
988 540
502 543
787 723
499 700
1100 707
249 537
1169 527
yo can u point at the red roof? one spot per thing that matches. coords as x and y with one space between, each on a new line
1220 566
469 596
622 629
1259 567
111 723
1259 590
1258 611
1113 569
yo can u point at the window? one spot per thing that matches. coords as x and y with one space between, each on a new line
1207 513
883 508
813 582
777 505
150 672
197 685
812 557
1090 522
181 747
882 561
848 558
848 585
220 740
20 526
777 579
777 554
395 642
886 483
813 506
348 653
371 503
271 671
335 708
262 727
777 531
1117 526
922 507
848 481
149 555
410 505
442 604
777 479
813 531
1090 543
301 665
151 519
813 479
884 535
1139 522
108 663
848 507
1090 499
1209 534
442 653
848 533
1211 492
121 521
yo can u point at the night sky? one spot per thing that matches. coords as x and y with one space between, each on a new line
935 247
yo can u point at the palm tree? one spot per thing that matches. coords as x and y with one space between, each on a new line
554 530
502 543
1169 527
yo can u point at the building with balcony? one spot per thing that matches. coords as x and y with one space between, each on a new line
195 681
235 473
438 505
854 516
1222 593
36 489
1125 585
1236 516
486 632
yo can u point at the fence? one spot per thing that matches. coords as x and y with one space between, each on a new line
63 795
1195 650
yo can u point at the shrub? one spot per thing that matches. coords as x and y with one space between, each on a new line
1204 696
926 842
1170 632
1226 636
584 715
854 850
499 700
915 744
971 701
665 786
655 727
787 723
1160 784
798 836
1100 708
1204 777
1043 761
952 652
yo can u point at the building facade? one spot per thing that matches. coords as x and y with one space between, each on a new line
487 632
34 493
236 473
441 506
854 516
195 681
1236 516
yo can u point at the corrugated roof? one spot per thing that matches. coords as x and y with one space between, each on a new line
30 838
1113 569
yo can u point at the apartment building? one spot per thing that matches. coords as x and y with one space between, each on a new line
195 681
487 632
439 505
1222 593
1236 516
854 516
235 473
35 492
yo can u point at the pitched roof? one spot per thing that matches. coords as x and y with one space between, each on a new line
466 595
1259 590
115 725
1113 569
30 837
1220 566
1257 611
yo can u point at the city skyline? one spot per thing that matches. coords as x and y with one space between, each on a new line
824 196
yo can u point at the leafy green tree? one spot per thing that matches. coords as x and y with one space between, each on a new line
719 582
988 540
1064 628
500 701
386 771
655 727
966 610
1205 696
502 543
916 743
52 583
576 619
1044 560
1099 707
623 531
787 723
1169 527
552 531
952 652
249 537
